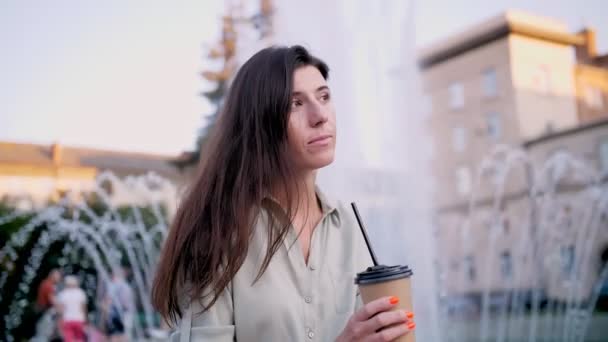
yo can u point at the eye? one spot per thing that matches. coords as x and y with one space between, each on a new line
295 103
325 97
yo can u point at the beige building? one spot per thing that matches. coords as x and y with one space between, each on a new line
591 77
521 81
32 174
580 218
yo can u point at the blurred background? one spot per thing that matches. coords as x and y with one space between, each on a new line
473 134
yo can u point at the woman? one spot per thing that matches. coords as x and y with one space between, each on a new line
256 251
71 304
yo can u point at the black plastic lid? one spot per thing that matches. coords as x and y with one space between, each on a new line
382 273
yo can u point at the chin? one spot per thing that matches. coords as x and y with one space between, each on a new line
321 161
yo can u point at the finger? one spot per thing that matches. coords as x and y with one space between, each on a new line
372 308
382 320
392 333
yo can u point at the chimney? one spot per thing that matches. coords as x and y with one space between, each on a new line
56 154
588 50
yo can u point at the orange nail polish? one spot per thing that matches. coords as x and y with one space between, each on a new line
394 300
410 315
411 326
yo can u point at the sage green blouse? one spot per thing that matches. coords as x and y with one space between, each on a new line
292 301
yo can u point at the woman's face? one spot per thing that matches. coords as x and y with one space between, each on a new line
311 130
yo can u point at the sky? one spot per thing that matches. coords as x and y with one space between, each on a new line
125 75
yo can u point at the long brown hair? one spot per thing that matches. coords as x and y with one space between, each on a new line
242 161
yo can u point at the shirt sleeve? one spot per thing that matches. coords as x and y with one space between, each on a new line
83 297
214 325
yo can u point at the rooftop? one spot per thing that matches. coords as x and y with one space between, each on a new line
122 163
510 22
563 133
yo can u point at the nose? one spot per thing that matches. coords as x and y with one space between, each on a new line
317 114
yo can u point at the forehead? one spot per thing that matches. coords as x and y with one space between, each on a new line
307 79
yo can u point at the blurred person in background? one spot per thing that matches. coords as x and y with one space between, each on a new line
119 308
71 305
46 317
46 291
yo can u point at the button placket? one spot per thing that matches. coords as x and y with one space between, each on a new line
312 278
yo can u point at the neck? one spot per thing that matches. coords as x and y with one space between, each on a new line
303 194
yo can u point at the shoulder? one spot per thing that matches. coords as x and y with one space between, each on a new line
351 231
337 207
47 286
343 217
344 209
346 216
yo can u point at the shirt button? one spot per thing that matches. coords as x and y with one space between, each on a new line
311 334
308 299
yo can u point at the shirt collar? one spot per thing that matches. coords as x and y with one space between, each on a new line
329 207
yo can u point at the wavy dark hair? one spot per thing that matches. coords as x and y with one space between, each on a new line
241 163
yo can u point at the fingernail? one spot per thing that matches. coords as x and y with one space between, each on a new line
411 326
394 300
410 315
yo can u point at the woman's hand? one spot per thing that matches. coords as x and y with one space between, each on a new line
365 325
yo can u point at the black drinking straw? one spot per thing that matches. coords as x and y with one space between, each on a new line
369 246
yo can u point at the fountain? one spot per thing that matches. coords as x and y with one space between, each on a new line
120 223
382 164
104 231
557 220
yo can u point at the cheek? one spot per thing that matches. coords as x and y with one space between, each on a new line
292 143
295 134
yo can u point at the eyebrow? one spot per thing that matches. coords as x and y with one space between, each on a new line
323 87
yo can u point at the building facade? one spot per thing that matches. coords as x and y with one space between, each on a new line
525 82
33 175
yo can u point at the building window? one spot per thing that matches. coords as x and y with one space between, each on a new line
459 138
604 156
456 95
489 83
463 180
506 265
593 97
493 127
469 264
499 225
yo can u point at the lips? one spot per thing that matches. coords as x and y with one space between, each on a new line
320 140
